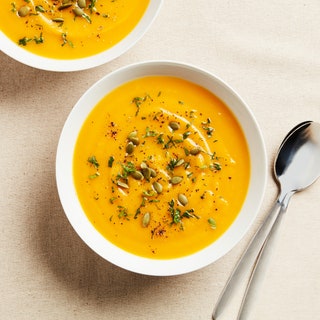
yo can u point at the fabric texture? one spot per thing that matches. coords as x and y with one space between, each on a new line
269 52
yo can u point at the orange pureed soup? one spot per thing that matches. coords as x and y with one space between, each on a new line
161 167
69 29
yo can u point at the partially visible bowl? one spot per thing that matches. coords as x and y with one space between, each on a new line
24 56
68 194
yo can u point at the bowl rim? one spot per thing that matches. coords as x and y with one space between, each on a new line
83 226
30 59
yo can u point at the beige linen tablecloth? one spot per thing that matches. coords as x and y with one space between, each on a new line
269 52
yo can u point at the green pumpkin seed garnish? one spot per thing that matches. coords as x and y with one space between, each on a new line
195 151
78 11
212 223
133 137
182 199
146 173
122 185
146 219
176 180
137 175
65 5
59 20
23 11
129 148
157 187
174 125
153 173
82 3
135 141
179 163
132 134
143 165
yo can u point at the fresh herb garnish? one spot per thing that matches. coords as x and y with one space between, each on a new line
177 215
150 133
92 5
112 199
149 193
186 135
175 212
138 211
94 161
95 175
110 161
171 142
24 41
65 40
190 214
13 7
160 139
39 39
205 126
139 100
215 166
175 162
123 213
127 169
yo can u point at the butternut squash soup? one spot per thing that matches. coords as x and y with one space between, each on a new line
69 29
161 167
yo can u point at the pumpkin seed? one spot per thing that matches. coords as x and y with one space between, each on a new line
82 3
212 223
137 175
143 165
182 199
195 151
179 163
146 173
157 187
78 12
132 134
129 148
146 219
133 137
153 173
122 185
58 20
176 180
23 11
65 5
135 141
174 125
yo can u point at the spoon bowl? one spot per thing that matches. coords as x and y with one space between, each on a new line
297 163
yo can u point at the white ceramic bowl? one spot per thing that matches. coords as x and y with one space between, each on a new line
71 204
24 56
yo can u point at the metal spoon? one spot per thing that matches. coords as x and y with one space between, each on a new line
296 167
301 124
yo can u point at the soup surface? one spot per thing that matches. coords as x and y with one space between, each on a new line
161 167
68 29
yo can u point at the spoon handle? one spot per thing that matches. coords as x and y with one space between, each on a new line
247 262
259 270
